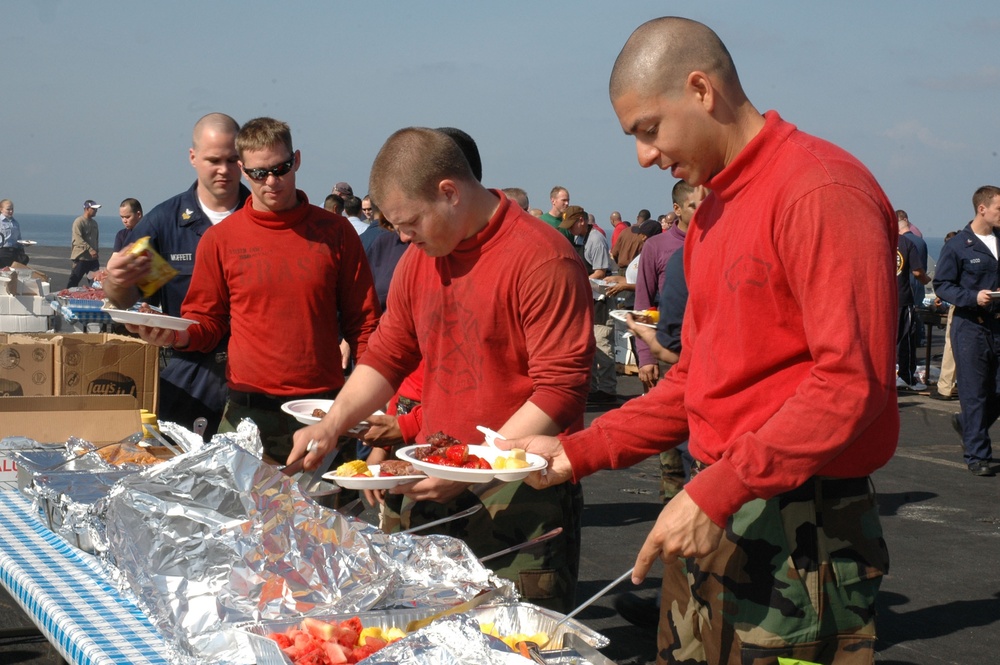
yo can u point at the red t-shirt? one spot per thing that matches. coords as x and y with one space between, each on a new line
285 286
618 231
788 362
506 318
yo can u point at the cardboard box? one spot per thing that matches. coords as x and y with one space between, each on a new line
108 364
12 323
53 420
26 367
98 364
25 305
22 280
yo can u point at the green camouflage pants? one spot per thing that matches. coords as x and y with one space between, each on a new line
672 477
795 576
512 513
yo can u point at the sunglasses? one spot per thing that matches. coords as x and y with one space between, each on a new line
276 171
366 210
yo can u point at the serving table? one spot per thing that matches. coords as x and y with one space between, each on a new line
67 595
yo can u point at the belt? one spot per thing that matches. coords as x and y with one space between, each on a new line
815 487
272 402
197 357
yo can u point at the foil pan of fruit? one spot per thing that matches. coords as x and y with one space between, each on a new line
360 635
517 622
379 638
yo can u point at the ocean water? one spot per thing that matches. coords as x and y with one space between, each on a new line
56 230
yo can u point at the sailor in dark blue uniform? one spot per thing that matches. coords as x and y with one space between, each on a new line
192 384
966 275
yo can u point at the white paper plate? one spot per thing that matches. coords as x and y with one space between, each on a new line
535 463
376 482
301 410
147 319
619 314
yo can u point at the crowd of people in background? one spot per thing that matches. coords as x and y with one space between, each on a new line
449 305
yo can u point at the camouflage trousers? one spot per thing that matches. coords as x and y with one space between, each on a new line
794 577
672 474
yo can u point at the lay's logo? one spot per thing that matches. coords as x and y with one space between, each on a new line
113 383
10 388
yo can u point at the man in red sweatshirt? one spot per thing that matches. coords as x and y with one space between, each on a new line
784 386
286 280
498 306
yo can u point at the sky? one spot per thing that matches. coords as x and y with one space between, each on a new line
99 98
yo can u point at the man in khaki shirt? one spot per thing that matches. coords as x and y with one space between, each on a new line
83 252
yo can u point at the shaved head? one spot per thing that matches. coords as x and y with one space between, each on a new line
415 160
661 53
220 122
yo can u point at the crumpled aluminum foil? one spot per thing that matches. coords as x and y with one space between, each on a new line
18 443
432 571
454 640
216 538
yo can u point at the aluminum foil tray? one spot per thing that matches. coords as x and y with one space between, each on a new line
266 652
453 640
80 304
384 619
66 498
509 618
34 463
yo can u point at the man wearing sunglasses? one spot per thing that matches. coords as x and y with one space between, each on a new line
193 384
285 280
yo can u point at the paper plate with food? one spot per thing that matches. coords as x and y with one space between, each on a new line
358 475
146 315
647 317
311 411
448 458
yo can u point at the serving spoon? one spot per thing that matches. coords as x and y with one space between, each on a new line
587 603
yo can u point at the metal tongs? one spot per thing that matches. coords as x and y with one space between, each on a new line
548 535
311 482
459 515
162 440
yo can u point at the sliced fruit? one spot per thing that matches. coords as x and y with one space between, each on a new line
319 629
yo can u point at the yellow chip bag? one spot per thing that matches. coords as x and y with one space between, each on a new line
160 271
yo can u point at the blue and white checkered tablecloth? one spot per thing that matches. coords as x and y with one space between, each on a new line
78 315
67 595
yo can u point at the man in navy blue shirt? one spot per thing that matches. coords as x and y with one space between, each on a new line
968 276
909 267
192 384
